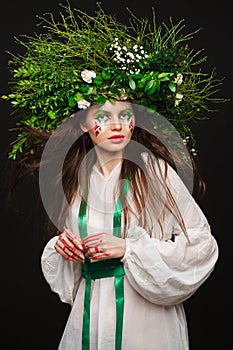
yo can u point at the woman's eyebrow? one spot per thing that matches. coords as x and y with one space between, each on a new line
101 112
127 110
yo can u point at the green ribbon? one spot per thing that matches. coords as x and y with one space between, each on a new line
103 269
118 211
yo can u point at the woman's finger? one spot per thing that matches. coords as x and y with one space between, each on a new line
67 256
68 242
69 248
74 253
94 250
74 239
92 244
100 256
92 237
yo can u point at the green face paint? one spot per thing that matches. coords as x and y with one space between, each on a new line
126 115
102 116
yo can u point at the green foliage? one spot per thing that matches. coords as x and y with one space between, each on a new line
139 61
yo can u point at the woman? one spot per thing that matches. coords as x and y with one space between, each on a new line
165 245
129 243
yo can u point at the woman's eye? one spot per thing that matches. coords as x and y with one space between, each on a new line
102 118
126 117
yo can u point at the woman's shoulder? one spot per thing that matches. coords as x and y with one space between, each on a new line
174 176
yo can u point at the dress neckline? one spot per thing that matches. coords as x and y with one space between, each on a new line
112 173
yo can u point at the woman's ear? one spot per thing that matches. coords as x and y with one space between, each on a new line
83 127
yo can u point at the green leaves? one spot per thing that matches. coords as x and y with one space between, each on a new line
149 84
172 87
51 115
46 82
152 86
77 97
100 99
132 84
164 76
106 74
72 101
98 81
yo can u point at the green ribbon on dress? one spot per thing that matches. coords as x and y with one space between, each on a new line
102 269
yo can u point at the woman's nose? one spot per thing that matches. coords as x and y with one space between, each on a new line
116 124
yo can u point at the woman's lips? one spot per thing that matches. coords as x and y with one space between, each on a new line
116 138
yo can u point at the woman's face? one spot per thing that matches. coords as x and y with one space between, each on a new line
110 126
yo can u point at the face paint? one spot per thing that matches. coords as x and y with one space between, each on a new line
97 129
131 125
100 118
126 115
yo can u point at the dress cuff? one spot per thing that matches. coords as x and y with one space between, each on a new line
127 251
134 234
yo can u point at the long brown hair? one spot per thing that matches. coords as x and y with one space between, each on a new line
143 186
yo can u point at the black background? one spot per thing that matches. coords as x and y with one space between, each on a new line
32 317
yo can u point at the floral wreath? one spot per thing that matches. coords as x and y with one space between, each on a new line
84 60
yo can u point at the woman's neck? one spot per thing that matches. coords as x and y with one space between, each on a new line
107 161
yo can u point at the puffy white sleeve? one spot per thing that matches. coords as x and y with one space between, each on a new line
62 275
167 272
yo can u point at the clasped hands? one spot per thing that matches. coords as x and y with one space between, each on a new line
98 246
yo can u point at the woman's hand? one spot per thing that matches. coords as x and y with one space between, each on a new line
103 246
70 246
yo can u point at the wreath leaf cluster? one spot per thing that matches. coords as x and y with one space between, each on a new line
82 59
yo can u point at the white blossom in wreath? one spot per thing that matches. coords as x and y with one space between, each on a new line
178 99
83 104
88 75
122 95
179 79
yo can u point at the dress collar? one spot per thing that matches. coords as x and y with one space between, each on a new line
114 173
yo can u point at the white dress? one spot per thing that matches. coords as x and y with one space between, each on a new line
159 274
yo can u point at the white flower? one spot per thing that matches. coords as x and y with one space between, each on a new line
194 151
83 104
179 79
130 54
87 75
122 96
178 99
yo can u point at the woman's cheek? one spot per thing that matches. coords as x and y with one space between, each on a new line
131 125
97 129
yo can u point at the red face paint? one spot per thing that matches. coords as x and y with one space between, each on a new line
97 129
131 125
